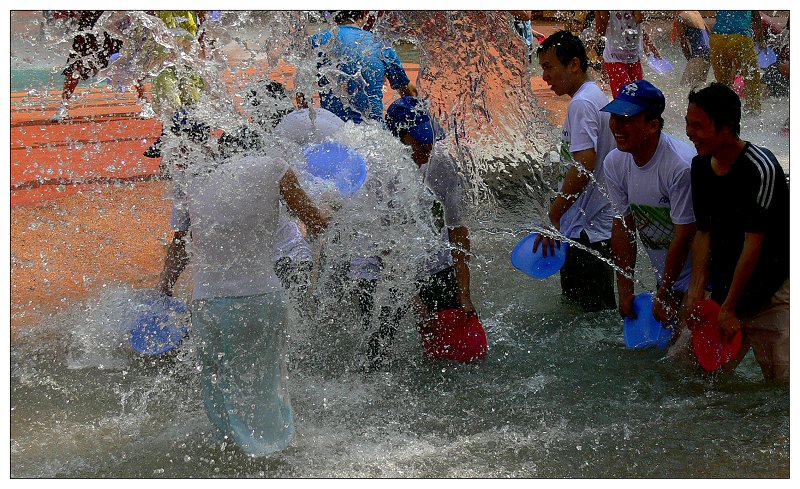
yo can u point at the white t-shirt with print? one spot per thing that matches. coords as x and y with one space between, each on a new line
232 209
623 38
585 127
659 195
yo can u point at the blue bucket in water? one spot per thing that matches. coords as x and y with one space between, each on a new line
160 327
536 264
645 331
337 162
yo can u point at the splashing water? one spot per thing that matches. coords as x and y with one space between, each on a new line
558 395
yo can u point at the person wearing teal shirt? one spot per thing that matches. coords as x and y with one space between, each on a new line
732 41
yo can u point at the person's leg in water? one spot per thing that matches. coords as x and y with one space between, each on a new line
71 80
243 370
379 345
588 279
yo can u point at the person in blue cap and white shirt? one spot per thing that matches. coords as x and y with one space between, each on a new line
448 283
648 177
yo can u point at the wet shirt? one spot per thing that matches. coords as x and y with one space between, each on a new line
623 38
753 197
440 175
585 127
301 127
658 195
734 22
352 68
232 210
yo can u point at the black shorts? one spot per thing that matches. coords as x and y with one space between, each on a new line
439 292
586 279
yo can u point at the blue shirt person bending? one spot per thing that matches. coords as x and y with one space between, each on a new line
352 68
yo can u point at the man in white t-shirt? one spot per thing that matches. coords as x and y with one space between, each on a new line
648 178
447 285
581 210
230 209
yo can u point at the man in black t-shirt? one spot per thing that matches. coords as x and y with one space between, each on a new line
741 249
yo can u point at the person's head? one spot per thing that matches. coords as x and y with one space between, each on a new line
713 117
564 62
636 117
349 16
267 102
410 122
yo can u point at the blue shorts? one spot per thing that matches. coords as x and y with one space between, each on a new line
242 349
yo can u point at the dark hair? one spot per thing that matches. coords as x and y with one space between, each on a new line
721 104
239 140
653 114
567 46
343 16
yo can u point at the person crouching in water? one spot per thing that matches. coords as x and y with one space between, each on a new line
448 285
230 208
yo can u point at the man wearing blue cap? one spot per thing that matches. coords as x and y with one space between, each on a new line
648 180
448 285
580 211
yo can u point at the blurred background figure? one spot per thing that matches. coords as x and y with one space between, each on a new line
690 31
733 42
87 56
624 48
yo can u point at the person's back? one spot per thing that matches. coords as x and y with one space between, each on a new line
352 67
234 216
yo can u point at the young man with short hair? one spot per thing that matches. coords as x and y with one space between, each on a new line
741 251
581 211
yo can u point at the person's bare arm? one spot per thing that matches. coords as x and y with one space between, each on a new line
601 21
729 323
299 202
522 14
701 261
758 28
408 90
174 263
665 308
623 246
574 182
459 238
